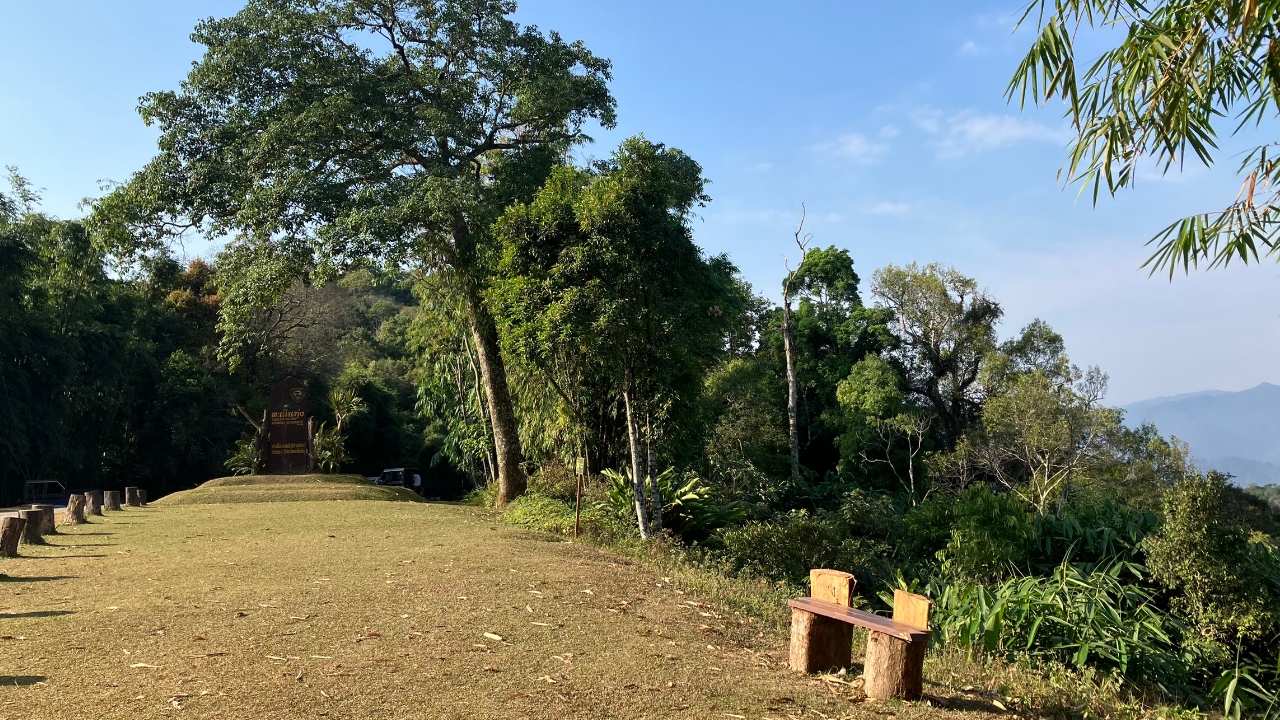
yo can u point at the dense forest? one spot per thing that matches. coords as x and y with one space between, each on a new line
404 228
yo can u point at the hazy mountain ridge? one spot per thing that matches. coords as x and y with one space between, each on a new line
1235 432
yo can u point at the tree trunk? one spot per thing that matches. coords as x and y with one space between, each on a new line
111 500
655 492
633 436
75 510
512 481
131 497
793 388
32 528
93 502
50 521
894 668
10 533
261 447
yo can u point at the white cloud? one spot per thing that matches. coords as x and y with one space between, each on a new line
761 167
885 207
889 131
969 49
927 119
856 147
968 132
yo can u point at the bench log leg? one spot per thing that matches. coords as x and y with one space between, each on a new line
819 643
894 668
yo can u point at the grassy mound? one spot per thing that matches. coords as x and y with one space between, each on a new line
286 488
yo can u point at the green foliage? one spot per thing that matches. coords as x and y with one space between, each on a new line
992 535
945 327
744 404
107 375
328 450
787 547
1269 494
1226 586
244 457
1103 618
535 511
882 430
1157 95
690 508
1040 433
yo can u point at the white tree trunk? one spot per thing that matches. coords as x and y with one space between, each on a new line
637 463
655 492
793 389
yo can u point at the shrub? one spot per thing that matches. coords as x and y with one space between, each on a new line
552 515
991 535
1220 578
555 480
244 457
788 547
1092 533
1103 619
689 508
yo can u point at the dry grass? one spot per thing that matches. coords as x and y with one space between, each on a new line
369 610
287 488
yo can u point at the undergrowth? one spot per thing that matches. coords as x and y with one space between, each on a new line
976 664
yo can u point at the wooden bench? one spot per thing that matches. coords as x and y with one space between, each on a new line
822 636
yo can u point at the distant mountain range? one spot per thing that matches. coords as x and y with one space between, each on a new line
1234 432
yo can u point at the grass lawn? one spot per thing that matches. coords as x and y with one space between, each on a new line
370 609
287 488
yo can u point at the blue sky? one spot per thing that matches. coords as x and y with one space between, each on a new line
886 119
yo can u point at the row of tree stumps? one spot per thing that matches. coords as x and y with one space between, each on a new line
31 525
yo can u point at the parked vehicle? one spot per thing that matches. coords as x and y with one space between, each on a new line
44 491
401 477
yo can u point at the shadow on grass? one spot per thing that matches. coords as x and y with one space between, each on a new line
20 680
54 557
964 704
36 614
46 578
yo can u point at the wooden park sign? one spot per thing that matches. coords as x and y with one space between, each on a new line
288 429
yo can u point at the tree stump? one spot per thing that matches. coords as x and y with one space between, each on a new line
10 533
894 667
111 500
93 502
819 643
31 529
50 521
131 497
75 510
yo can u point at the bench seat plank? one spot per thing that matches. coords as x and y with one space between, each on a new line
861 618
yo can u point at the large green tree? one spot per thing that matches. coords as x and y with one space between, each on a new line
341 130
945 325
1181 70
602 266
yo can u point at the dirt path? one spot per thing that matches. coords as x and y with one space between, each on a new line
370 610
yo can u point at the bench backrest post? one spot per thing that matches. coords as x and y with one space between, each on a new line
832 586
911 609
